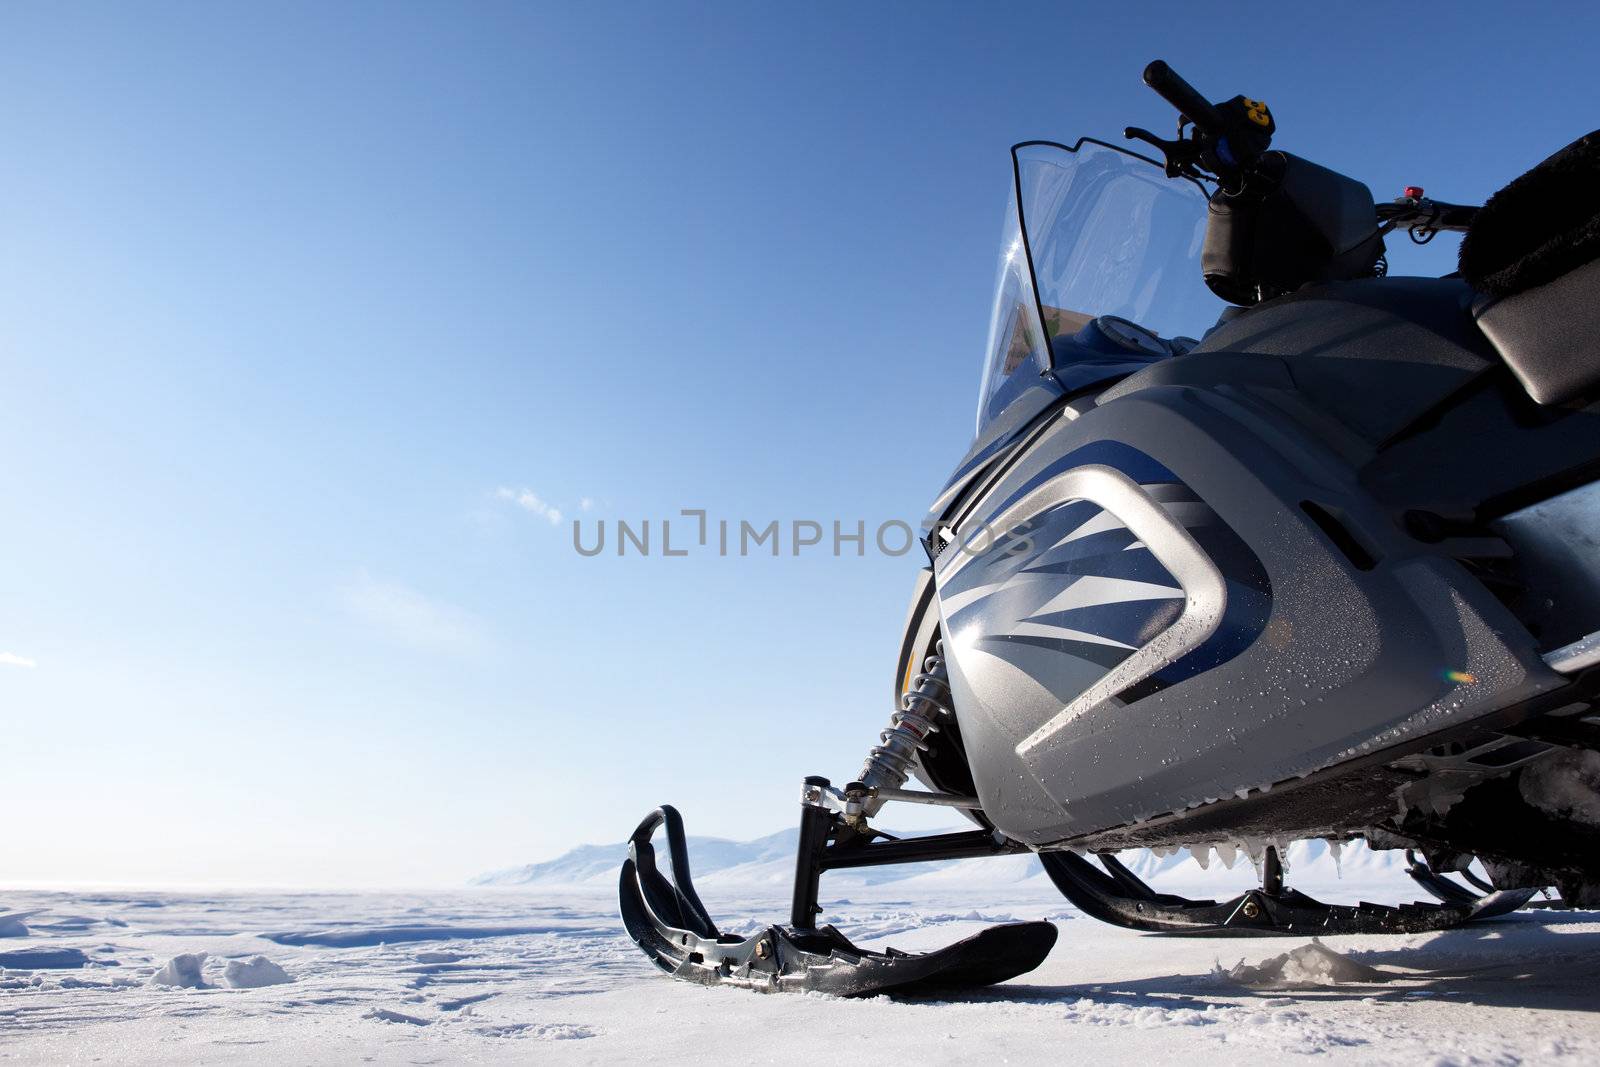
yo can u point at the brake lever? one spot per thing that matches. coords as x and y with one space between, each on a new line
1180 157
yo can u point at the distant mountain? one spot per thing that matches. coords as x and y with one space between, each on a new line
767 863
589 865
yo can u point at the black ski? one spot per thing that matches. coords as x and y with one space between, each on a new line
666 919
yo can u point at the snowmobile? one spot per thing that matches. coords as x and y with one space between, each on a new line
1255 542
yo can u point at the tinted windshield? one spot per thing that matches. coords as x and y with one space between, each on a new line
1107 233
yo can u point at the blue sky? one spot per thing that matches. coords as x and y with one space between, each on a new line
289 294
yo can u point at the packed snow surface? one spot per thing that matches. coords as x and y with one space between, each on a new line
518 975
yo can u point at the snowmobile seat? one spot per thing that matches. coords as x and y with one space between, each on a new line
1533 253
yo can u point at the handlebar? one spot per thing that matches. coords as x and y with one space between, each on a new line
1230 138
1183 96
1220 142
1423 217
1258 200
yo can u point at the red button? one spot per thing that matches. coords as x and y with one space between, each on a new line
1413 191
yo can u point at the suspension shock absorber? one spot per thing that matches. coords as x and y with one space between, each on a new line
923 707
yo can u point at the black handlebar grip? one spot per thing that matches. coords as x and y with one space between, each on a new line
1183 96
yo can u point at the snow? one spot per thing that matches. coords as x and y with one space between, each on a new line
1307 966
254 973
184 971
11 924
510 975
43 959
384 1015
366 937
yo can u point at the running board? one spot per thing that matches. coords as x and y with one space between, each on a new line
1116 895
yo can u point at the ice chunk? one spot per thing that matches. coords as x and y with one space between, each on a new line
1566 785
1309 965
183 971
253 973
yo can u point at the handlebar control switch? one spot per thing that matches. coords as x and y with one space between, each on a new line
1247 130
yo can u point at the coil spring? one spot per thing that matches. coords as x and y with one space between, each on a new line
921 707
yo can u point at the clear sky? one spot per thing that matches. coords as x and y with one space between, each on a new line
288 295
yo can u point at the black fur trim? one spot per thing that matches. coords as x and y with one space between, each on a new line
1539 227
